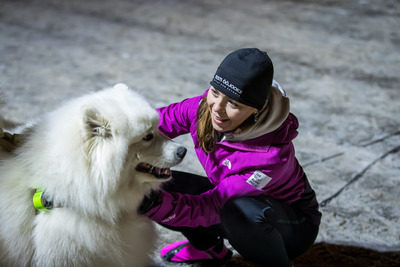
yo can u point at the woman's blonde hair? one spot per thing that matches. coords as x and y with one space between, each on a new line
206 134
205 131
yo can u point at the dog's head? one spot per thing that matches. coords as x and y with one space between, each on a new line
121 138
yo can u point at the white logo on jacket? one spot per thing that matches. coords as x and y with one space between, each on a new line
227 163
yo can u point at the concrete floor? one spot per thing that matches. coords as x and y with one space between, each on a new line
339 62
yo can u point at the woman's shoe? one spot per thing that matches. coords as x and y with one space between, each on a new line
183 251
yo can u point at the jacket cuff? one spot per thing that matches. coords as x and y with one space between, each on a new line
158 212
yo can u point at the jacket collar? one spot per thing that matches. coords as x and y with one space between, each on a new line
270 118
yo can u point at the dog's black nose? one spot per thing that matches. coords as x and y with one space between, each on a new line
180 153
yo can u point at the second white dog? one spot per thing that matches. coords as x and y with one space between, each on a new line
85 155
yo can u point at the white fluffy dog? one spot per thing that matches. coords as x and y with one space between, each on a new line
95 157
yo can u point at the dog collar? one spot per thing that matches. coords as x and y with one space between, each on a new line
41 201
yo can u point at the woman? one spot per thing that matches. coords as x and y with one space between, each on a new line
256 194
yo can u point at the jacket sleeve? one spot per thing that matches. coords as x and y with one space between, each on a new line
279 181
178 118
177 209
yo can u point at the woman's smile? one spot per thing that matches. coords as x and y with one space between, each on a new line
217 119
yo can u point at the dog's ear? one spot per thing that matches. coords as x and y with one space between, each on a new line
95 124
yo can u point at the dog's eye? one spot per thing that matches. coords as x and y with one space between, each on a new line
148 137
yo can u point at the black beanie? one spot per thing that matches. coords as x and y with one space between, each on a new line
245 76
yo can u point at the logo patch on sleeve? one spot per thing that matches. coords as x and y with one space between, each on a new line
259 180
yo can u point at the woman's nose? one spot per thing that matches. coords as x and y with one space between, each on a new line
218 106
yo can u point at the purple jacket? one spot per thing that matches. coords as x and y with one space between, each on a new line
262 166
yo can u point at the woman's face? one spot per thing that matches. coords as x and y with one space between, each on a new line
226 114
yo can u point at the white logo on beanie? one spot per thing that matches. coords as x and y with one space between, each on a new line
228 85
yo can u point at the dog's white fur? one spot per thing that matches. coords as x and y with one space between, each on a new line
84 154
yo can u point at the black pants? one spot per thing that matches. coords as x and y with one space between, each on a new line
263 230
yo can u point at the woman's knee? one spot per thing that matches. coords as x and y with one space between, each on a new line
244 211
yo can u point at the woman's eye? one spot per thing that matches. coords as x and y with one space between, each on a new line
148 137
214 92
233 104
